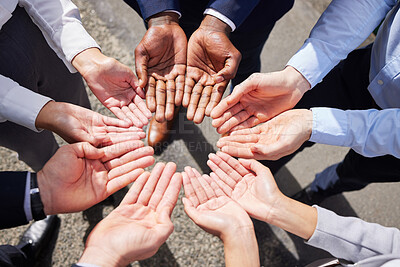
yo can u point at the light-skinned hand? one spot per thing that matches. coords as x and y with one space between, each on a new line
248 182
211 209
77 124
79 175
259 98
140 224
212 61
272 140
161 64
115 85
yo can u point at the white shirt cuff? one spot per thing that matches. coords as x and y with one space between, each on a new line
27 200
218 15
174 11
21 105
329 126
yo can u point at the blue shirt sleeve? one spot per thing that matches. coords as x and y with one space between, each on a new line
341 28
236 10
370 133
149 8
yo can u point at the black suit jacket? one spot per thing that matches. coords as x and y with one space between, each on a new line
12 195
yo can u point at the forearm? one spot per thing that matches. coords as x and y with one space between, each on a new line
369 132
342 28
241 248
294 217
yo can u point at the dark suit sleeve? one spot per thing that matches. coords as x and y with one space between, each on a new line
149 8
12 195
236 10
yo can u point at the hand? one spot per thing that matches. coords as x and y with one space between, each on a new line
140 225
252 185
76 124
114 84
258 99
272 140
208 206
161 64
248 182
212 62
80 175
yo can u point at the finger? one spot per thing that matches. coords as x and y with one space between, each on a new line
141 62
148 189
179 85
227 115
117 150
162 185
115 122
141 105
129 130
140 163
234 98
120 115
255 130
223 167
151 94
217 190
258 168
170 102
216 96
234 121
189 84
135 120
191 210
201 108
189 191
198 189
170 196
234 163
120 182
138 113
240 139
249 123
86 150
240 152
129 157
206 186
138 86
133 193
221 174
194 100
221 184
115 138
160 100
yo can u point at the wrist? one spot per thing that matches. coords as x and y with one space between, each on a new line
99 257
164 18
297 79
88 59
46 116
214 24
45 193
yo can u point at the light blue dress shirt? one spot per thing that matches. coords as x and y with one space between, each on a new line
341 29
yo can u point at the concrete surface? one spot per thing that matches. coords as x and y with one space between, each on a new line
118 30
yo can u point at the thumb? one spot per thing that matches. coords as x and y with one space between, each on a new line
141 62
190 209
258 168
229 70
86 150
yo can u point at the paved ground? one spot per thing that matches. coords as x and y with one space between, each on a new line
118 30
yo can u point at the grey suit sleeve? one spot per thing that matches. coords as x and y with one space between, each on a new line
353 239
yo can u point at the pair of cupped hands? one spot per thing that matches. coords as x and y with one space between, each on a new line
221 203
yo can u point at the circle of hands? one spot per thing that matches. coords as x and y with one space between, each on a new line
171 72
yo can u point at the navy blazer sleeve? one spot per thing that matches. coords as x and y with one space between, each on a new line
12 195
149 8
236 10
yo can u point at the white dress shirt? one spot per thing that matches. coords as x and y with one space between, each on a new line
60 24
341 29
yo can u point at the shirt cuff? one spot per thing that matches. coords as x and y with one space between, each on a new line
218 15
174 11
27 199
312 63
329 126
22 106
